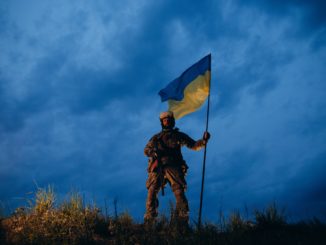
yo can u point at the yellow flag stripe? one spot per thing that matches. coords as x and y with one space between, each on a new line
195 95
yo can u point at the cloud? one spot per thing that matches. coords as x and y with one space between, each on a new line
306 187
63 54
312 16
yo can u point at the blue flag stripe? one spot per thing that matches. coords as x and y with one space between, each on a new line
174 90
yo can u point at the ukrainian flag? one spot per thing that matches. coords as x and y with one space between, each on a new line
188 92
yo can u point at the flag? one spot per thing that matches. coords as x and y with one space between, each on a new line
188 92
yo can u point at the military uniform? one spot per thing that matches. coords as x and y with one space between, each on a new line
167 146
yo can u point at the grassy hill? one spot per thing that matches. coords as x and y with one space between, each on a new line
44 221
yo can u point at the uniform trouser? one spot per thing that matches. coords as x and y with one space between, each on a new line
175 177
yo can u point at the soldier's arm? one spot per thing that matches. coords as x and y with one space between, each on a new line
149 148
191 143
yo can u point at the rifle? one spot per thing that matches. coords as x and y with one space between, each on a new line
158 164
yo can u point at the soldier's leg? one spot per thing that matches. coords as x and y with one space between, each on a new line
153 186
182 207
178 184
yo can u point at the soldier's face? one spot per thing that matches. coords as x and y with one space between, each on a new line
167 121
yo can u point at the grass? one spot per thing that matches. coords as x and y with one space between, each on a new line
44 221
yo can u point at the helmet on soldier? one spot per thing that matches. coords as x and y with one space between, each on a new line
165 114
167 120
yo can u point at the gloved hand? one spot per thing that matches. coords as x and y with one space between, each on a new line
206 136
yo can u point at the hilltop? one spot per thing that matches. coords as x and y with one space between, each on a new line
44 221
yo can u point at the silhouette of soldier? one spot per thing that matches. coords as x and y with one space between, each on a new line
166 165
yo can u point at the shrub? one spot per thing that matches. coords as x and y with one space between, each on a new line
236 222
43 223
271 217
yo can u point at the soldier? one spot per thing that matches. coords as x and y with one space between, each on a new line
166 165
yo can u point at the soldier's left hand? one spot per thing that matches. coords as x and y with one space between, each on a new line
206 136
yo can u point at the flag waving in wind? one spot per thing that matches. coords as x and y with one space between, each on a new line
188 92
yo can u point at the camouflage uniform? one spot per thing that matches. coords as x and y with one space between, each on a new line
168 144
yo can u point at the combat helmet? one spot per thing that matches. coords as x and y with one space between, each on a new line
166 114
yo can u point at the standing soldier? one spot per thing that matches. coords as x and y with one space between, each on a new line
166 165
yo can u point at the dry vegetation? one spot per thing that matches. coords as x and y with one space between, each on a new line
72 222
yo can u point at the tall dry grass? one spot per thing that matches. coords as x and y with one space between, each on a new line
44 221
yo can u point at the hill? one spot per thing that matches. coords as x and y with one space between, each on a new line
71 222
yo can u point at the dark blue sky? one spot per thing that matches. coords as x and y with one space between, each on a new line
78 100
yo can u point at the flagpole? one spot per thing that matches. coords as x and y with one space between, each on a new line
204 163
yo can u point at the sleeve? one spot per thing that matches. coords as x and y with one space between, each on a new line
149 148
191 143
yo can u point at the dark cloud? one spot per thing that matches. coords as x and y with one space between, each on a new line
260 73
319 41
305 190
237 165
313 125
313 16
39 92
15 112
